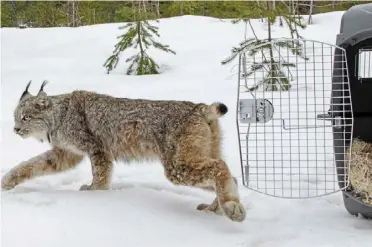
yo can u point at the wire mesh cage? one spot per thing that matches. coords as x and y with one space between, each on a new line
294 117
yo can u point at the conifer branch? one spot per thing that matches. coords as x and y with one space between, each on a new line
139 36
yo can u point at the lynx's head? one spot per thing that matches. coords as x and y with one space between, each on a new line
33 114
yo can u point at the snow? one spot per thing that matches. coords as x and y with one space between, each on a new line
143 208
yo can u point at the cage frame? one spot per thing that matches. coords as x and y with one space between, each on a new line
350 35
356 31
322 116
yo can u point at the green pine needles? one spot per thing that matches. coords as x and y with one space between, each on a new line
138 36
274 68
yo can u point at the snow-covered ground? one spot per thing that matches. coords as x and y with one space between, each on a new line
143 208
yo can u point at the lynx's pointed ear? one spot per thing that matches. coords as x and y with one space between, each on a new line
26 94
41 91
42 100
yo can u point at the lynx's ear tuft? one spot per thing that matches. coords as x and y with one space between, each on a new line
25 93
41 91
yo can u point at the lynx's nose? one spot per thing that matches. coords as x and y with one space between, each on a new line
16 130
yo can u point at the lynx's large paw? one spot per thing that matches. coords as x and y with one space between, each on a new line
210 208
93 187
85 187
9 181
234 210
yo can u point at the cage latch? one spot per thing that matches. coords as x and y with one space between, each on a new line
324 116
327 117
255 110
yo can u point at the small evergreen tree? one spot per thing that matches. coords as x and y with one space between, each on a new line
139 35
275 77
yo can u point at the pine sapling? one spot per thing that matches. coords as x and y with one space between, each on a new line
139 36
273 68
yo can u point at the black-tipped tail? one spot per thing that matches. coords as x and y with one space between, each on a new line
222 109
215 110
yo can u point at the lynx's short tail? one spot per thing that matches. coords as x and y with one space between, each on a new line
214 110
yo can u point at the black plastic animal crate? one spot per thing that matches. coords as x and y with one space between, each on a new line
356 38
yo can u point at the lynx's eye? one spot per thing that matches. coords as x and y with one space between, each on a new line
26 118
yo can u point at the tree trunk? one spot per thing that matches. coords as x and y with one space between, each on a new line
334 5
14 13
140 64
258 3
311 11
272 65
94 16
144 6
73 13
158 8
289 6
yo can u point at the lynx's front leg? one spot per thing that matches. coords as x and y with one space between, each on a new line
101 171
50 162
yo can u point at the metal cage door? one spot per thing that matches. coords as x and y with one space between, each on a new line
293 111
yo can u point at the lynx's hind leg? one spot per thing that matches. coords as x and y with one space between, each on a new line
215 154
214 206
205 173
193 166
215 145
225 188
53 161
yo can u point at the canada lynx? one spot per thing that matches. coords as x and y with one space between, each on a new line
183 136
